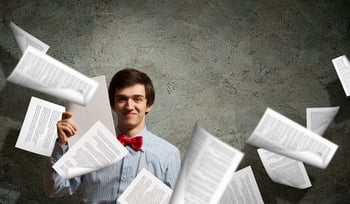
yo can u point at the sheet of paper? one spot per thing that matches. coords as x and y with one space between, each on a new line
97 109
281 135
25 39
148 188
98 148
38 71
206 170
285 170
242 189
318 119
38 133
342 67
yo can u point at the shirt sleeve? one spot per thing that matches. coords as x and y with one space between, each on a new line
54 184
173 168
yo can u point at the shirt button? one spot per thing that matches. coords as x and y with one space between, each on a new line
123 177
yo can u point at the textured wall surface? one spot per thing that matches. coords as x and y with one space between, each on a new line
221 63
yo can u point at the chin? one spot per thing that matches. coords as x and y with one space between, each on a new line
129 125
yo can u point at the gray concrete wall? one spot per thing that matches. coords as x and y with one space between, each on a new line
217 62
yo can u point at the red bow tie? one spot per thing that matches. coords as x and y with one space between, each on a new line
135 142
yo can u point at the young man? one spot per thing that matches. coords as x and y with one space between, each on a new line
131 96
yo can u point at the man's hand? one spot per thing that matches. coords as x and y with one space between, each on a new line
65 128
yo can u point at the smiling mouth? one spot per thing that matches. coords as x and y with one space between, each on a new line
129 114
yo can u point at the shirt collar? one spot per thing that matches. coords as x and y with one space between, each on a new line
143 133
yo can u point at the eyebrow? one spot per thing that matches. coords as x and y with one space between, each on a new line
124 96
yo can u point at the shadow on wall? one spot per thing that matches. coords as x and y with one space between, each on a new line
8 62
14 100
12 96
22 175
337 97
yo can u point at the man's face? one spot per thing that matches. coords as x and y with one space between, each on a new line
130 104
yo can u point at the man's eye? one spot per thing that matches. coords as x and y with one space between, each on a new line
121 100
138 99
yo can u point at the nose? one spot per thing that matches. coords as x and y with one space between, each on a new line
130 104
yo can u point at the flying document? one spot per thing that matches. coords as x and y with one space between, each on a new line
206 170
318 119
284 170
25 39
342 67
38 132
43 73
242 189
148 188
291 172
98 148
278 134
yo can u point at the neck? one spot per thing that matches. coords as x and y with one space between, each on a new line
130 132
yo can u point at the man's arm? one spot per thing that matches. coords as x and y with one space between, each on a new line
54 184
173 168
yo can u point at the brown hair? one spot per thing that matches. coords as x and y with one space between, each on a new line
129 77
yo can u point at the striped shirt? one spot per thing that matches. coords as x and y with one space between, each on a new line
105 185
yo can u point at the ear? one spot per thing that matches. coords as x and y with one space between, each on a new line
148 109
